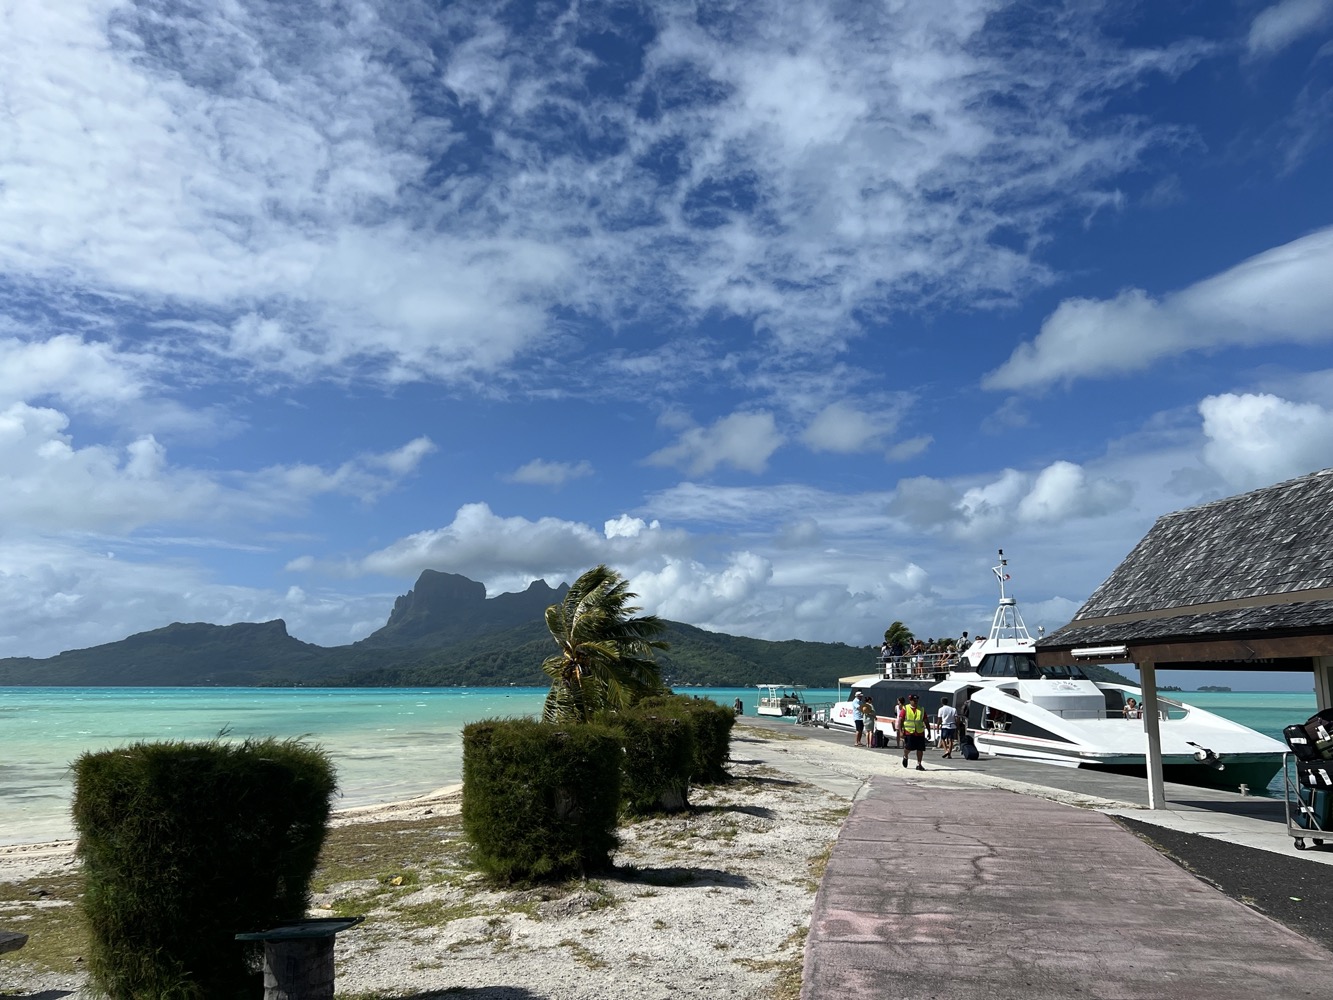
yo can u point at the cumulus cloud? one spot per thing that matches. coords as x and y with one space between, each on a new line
744 441
1280 296
1254 439
845 429
1064 490
540 472
507 553
1058 493
1278 26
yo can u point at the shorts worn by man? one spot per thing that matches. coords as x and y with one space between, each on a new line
914 731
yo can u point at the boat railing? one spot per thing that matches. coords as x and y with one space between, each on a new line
916 665
817 713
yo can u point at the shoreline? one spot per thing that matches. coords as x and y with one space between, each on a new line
22 861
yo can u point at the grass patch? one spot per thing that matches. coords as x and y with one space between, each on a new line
583 955
53 922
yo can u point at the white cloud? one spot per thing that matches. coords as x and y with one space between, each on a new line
1064 490
801 166
49 483
1276 27
910 448
1280 296
845 429
61 596
1058 493
742 440
507 553
70 370
687 591
540 472
1257 439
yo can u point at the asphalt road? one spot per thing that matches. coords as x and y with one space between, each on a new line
1289 890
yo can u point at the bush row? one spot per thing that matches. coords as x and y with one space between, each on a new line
542 801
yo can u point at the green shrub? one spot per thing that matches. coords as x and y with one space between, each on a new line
540 800
186 844
658 760
711 724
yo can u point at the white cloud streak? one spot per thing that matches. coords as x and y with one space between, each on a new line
1280 296
785 165
1280 25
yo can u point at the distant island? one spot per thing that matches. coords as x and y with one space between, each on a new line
444 632
1214 687
1170 687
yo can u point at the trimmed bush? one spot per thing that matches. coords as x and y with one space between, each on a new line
711 724
186 844
659 757
540 800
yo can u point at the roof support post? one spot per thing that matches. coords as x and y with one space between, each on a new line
1151 727
1323 682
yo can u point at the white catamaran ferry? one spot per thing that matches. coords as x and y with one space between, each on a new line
1013 708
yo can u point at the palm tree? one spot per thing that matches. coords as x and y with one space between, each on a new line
606 655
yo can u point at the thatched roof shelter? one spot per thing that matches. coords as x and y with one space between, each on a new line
1241 583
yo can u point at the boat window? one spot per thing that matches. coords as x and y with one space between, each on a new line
1008 665
1065 671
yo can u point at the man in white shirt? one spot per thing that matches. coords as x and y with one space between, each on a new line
948 720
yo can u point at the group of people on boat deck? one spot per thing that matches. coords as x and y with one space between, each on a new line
912 728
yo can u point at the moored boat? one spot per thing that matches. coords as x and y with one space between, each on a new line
781 700
1058 715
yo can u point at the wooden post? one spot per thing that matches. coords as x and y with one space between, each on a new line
1152 728
1323 682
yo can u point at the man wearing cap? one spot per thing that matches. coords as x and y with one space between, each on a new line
914 731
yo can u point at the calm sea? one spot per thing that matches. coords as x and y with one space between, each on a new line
388 743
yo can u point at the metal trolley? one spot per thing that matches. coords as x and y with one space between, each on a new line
1309 795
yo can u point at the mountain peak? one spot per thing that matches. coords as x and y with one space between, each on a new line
444 607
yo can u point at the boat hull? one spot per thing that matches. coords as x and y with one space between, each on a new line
1024 742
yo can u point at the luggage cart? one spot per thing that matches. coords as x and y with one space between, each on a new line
1307 779
1309 795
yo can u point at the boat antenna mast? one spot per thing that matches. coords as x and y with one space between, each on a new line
1008 623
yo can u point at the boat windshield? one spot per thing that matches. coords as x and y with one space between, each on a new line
1024 667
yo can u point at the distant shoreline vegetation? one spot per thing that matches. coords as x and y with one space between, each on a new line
445 632
1215 688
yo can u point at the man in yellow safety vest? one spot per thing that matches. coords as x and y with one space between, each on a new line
914 731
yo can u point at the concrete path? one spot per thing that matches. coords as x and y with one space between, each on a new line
938 893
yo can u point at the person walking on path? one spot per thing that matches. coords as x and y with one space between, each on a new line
857 718
914 731
948 719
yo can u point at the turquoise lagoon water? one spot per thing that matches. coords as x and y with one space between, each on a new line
388 743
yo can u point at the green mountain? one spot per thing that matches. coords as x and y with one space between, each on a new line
445 631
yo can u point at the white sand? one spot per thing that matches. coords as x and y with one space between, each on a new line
711 903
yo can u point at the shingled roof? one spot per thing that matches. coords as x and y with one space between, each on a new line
1260 561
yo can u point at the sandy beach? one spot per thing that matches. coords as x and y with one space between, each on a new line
715 902
710 903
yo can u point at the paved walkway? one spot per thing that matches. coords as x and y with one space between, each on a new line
937 893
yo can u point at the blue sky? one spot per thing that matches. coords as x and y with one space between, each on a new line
793 313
